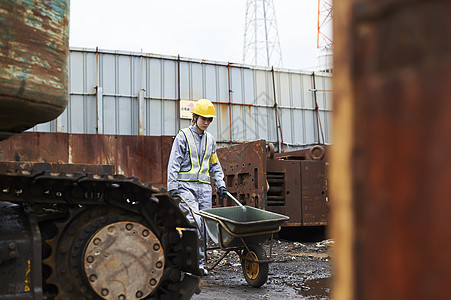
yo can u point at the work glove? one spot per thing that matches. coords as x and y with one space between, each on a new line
222 192
174 193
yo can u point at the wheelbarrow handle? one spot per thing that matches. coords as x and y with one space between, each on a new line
234 199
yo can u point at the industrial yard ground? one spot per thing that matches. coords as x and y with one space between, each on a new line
301 270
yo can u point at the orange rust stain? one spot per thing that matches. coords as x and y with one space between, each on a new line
224 111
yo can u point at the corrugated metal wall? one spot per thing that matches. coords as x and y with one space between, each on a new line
124 93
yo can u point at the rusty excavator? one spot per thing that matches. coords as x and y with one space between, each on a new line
68 231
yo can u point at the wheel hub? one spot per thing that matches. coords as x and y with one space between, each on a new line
252 268
124 260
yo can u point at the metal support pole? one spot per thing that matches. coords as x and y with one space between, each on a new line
141 111
318 120
178 88
99 100
230 103
99 97
278 127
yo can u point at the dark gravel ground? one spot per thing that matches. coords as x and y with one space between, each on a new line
301 270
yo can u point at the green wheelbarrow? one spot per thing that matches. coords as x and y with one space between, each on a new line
244 230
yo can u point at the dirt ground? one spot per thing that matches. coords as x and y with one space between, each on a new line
301 270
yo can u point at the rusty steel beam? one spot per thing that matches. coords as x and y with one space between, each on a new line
391 208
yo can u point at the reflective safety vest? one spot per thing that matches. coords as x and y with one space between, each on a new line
200 168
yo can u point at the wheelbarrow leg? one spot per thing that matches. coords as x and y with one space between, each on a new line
218 261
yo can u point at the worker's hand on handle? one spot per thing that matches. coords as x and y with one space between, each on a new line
222 192
174 193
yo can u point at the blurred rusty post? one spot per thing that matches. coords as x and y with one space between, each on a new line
390 162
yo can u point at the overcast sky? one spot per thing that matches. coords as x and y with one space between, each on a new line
203 29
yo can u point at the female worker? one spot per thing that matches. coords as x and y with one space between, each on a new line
192 162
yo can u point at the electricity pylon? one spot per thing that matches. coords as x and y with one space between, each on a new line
324 35
261 36
324 41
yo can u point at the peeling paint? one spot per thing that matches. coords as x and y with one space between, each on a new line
33 52
27 277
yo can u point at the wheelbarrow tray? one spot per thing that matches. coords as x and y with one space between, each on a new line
230 226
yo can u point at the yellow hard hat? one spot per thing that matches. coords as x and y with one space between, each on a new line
204 108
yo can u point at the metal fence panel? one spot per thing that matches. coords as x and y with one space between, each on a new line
108 74
154 113
123 78
154 87
105 88
76 72
110 118
283 84
298 125
223 86
296 90
307 86
286 123
248 83
236 85
261 88
220 126
211 82
169 79
310 135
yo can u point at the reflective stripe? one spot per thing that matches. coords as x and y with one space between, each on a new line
200 169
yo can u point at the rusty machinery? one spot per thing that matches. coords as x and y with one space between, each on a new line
291 183
75 231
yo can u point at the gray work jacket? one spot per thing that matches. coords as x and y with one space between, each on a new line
180 158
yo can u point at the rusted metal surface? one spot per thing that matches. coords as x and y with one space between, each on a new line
34 50
314 193
298 189
293 184
244 169
56 167
118 271
392 74
144 157
36 147
315 153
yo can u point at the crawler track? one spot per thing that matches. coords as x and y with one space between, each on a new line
106 236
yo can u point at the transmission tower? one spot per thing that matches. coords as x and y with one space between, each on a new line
324 36
261 37
324 41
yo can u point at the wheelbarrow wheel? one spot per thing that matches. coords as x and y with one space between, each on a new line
256 274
